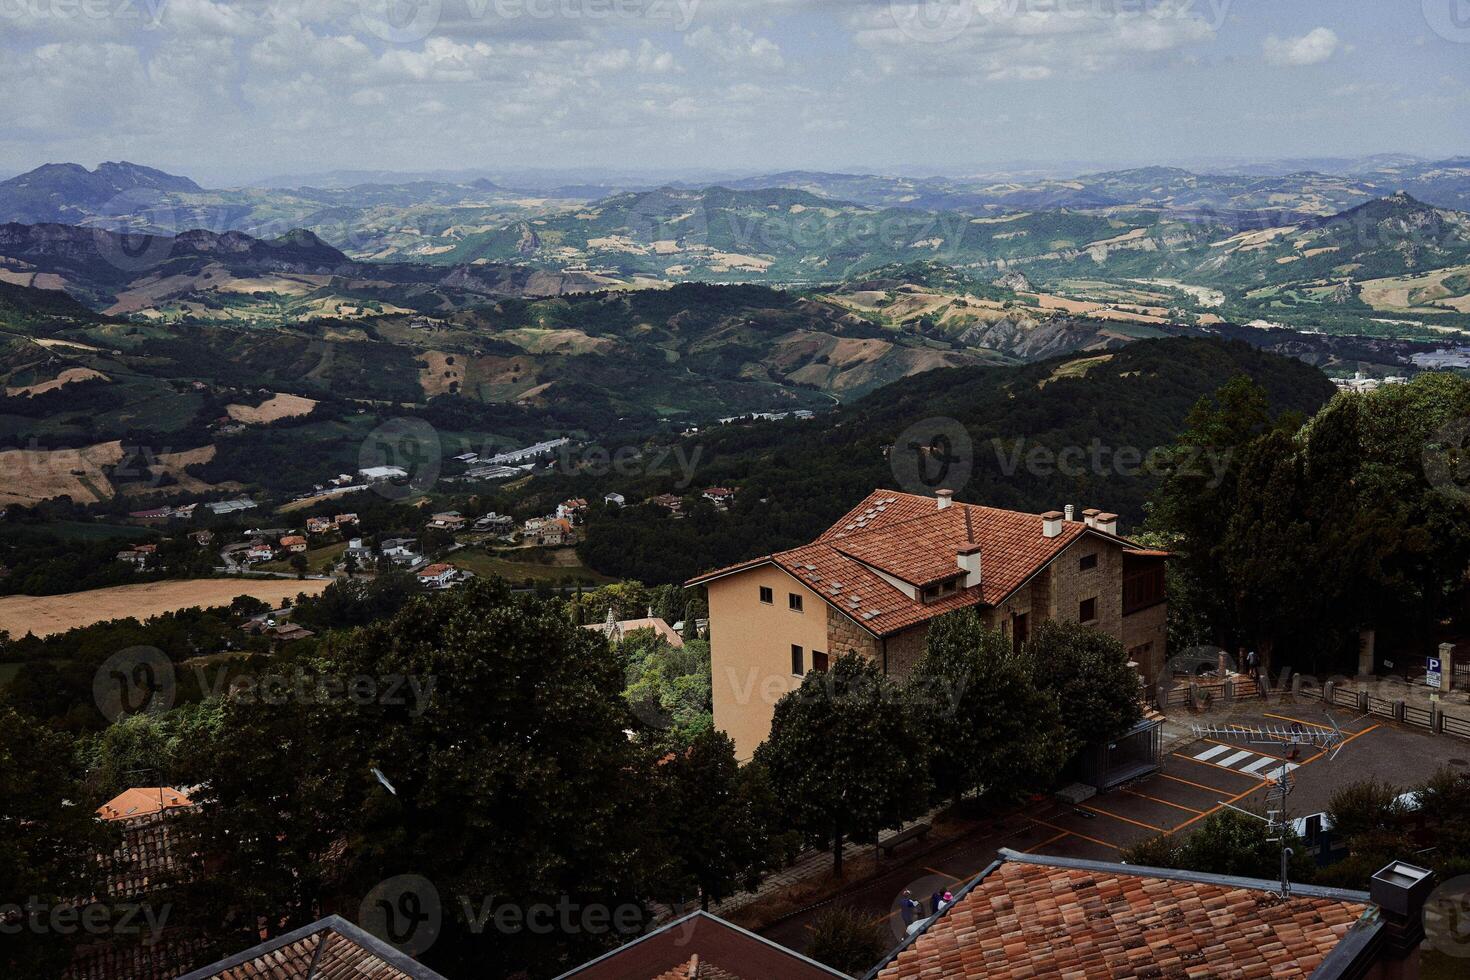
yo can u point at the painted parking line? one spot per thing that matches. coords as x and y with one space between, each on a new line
1073 833
1118 816
1189 782
1047 843
1155 799
1211 752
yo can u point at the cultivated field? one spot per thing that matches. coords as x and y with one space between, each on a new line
60 381
278 407
29 475
44 615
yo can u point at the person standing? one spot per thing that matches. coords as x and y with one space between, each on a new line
908 907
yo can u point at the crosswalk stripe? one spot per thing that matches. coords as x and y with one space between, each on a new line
1255 767
1211 752
1229 761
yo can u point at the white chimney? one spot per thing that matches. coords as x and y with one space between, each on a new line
1070 512
968 558
1051 524
1106 523
1089 516
945 498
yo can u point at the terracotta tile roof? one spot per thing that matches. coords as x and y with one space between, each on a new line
329 949
707 944
140 801
1030 916
910 538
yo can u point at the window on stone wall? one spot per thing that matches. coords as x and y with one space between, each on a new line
793 602
1087 610
767 595
819 661
1087 562
798 666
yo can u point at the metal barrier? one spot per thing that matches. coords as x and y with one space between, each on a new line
1414 715
1382 707
1453 725
1343 697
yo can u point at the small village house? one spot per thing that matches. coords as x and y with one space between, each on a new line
293 543
871 583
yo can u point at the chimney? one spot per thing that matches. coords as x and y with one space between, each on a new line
945 498
1089 516
1070 512
1051 524
1400 891
968 558
1106 523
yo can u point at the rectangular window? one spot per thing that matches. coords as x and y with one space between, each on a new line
819 660
797 665
767 596
1088 562
1087 610
793 601
1020 632
1143 588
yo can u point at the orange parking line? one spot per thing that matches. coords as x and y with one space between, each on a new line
1136 823
1046 843
1215 809
1091 840
1186 782
1155 799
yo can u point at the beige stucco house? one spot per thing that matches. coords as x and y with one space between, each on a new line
872 581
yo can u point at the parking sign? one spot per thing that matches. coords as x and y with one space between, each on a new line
1433 675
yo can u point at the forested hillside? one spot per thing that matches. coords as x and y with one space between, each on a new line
1077 429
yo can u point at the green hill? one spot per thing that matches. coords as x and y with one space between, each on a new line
1105 412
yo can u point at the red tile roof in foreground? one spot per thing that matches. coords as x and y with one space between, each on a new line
910 538
1031 916
705 947
329 949
141 801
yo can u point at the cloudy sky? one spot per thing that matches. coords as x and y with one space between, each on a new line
233 90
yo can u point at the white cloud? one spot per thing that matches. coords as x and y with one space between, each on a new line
1312 48
736 46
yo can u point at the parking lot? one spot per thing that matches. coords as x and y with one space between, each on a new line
1200 776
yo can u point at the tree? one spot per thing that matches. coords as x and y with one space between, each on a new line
499 726
1226 843
299 564
713 831
49 841
847 940
844 756
1098 693
994 731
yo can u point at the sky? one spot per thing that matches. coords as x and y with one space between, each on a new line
230 91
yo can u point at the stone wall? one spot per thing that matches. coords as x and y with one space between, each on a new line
904 650
846 636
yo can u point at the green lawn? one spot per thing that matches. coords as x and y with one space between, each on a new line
317 559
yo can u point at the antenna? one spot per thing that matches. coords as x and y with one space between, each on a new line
1280 784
